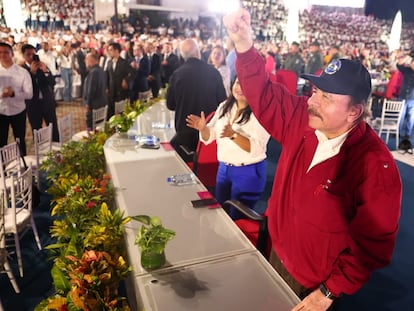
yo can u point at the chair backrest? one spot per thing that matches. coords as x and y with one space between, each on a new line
120 106
99 117
145 95
391 112
205 162
65 127
42 142
288 78
10 162
21 194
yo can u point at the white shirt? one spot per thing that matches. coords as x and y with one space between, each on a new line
20 81
227 150
327 148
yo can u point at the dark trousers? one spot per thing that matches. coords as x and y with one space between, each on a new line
43 110
299 290
18 124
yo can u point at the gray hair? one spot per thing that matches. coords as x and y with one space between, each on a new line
189 48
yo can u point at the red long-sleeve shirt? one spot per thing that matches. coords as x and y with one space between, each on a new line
338 222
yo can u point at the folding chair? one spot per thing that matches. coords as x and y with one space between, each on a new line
42 146
9 163
65 127
4 264
120 106
99 116
18 219
389 122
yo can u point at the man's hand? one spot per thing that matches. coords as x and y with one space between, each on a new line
7 92
34 66
238 28
316 301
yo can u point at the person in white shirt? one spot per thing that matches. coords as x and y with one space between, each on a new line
47 57
15 87
241 149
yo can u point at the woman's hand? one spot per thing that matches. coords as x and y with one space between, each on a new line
196 122
227 131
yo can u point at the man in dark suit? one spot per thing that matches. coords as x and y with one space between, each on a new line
42 106
141 66
154 78
80 64
119 74
194 87
170 62
94 88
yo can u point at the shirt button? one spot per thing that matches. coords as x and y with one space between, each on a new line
385 165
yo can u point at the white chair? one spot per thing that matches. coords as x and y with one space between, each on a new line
389 122
10 162
42 146
65 127
145 95
98 122
4 263
18 219
120 106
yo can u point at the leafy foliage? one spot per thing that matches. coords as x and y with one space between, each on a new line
152 234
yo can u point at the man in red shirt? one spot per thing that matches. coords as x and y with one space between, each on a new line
335 205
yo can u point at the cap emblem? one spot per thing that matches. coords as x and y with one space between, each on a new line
333 67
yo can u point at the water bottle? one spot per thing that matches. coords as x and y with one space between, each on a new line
182 179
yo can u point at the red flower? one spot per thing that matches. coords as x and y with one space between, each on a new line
91 204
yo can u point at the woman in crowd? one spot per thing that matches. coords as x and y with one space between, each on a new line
218 60
241 149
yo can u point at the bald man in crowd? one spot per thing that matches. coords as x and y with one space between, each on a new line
194 87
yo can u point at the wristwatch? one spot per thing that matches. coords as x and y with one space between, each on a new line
327 293
232 137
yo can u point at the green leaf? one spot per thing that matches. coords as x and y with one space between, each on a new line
145 219
42 306
59 280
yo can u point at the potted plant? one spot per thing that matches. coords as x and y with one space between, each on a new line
152 238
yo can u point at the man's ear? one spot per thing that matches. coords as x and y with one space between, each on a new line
355 112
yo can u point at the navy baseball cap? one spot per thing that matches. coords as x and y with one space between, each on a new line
345 77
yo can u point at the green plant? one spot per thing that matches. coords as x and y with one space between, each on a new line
85 158
122 122
152 235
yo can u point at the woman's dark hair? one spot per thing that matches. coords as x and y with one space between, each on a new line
245 112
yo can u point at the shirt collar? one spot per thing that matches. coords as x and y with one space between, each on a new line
333 143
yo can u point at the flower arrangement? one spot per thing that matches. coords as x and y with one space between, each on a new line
122 122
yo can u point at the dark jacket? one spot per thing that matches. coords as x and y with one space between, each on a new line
123 71
167 68
94 89
194 87
42 106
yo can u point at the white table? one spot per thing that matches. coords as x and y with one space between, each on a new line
201 234
244 282
156 120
